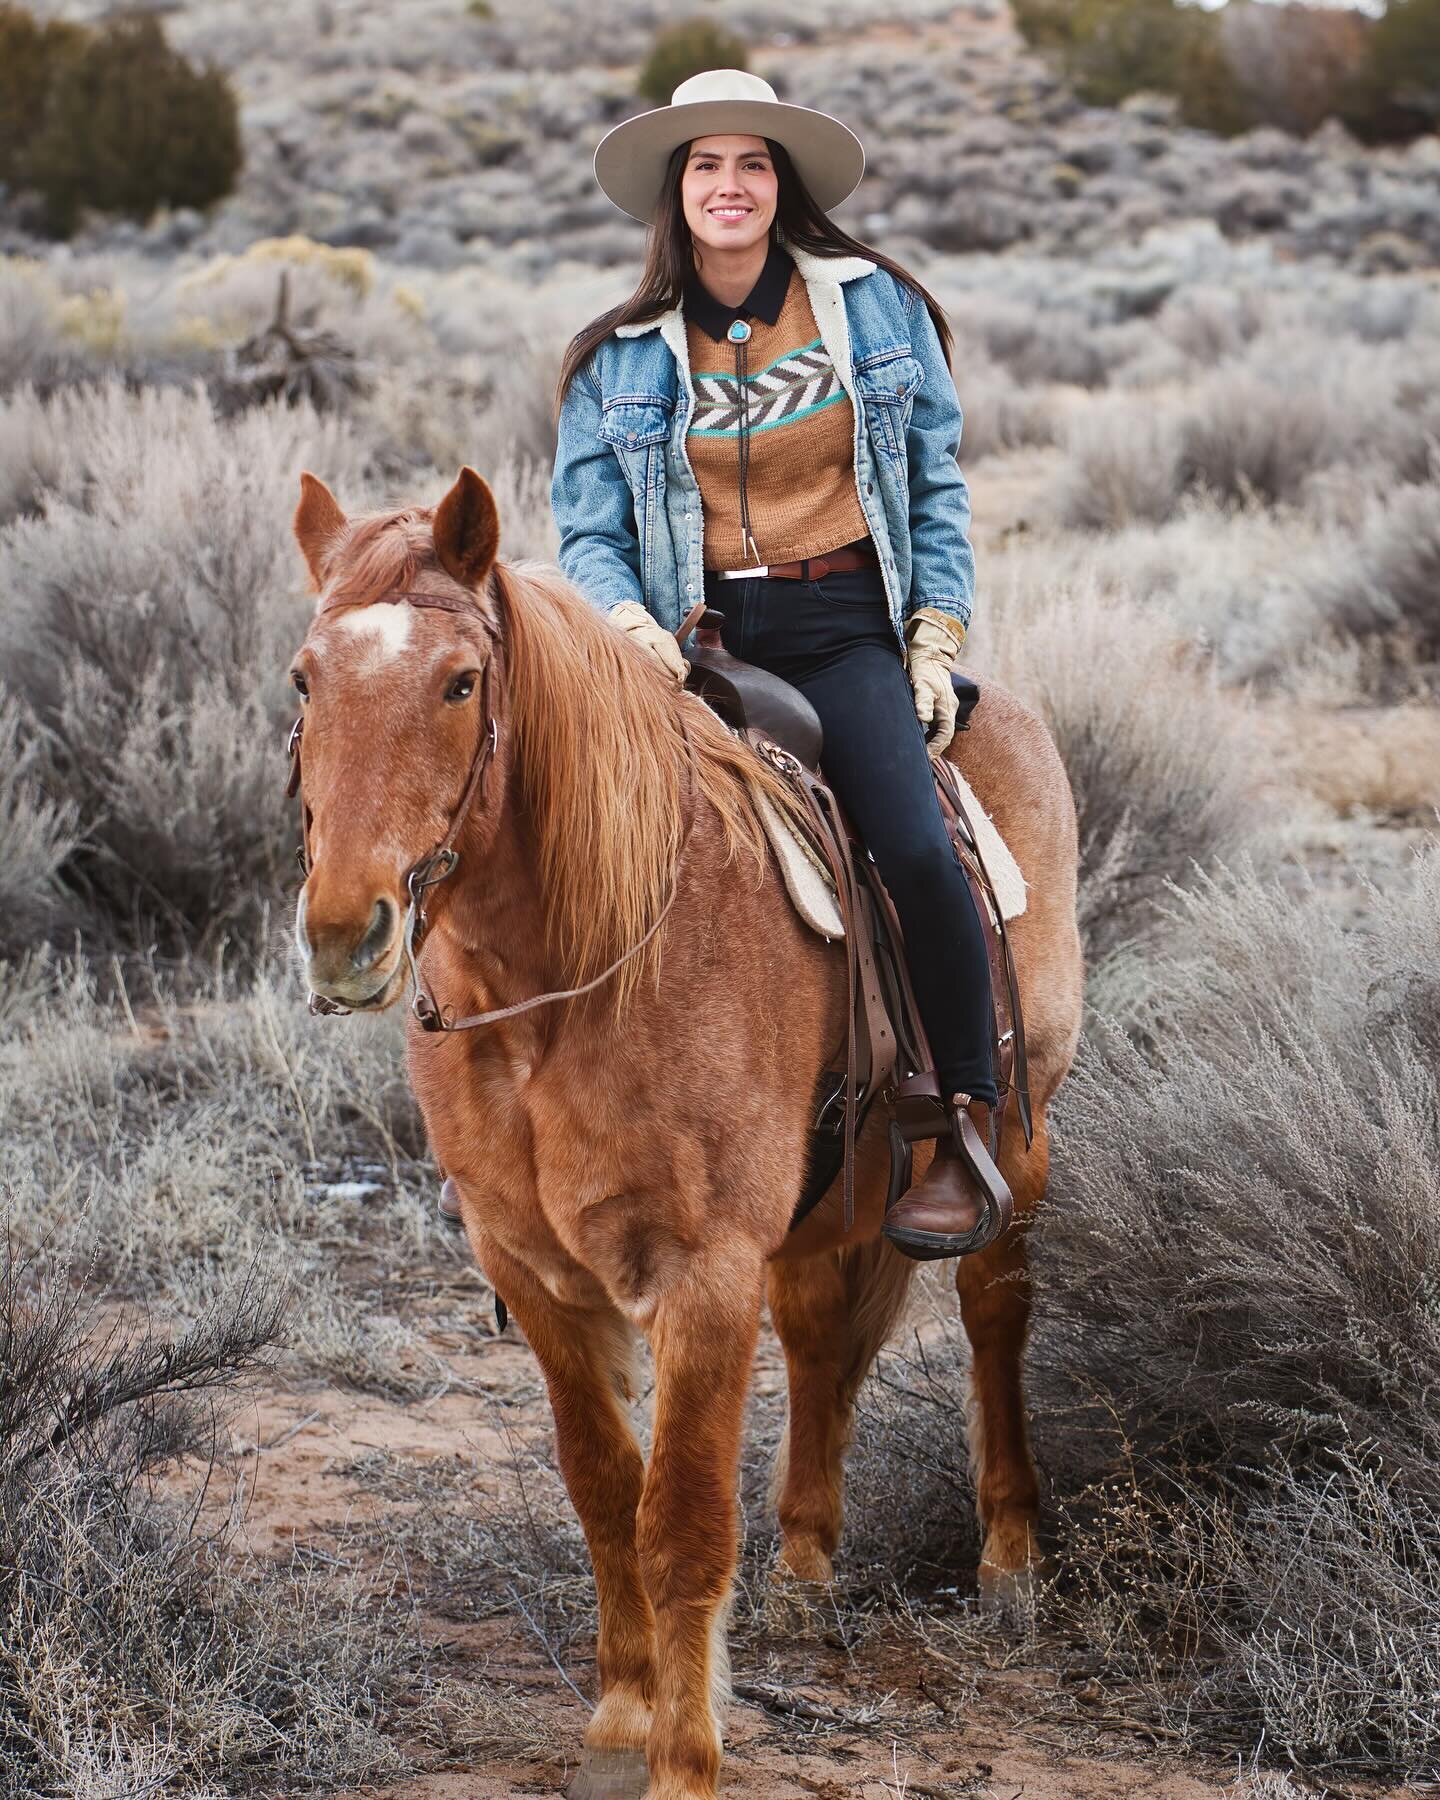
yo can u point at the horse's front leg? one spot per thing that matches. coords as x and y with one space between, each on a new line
703 1336
995 1305
586 1355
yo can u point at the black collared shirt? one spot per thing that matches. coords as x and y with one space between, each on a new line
763 301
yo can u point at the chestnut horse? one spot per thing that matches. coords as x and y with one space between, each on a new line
628 1160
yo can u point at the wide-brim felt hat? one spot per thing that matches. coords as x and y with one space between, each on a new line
631 160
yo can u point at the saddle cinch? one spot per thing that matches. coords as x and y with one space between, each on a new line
887 1053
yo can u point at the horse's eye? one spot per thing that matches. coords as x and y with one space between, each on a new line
462 687
300 684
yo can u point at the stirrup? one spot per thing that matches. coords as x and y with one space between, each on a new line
978 1158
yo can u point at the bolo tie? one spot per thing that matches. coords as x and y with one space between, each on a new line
739 336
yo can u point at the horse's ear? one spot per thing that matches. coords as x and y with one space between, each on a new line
318 524
467 530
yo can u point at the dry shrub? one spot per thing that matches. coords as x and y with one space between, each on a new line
1235 1342
1124 467
1382 582
151 611
1370 762
141 1645
1266 1464
1001 415
154 599
1295 65
170 1140
1261 428
1359 591
1160 759
37 834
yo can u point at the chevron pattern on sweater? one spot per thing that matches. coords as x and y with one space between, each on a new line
790 388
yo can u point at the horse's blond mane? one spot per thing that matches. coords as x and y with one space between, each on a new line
600 754
604 766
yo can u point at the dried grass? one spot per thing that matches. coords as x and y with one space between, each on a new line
140 1644
1246 1541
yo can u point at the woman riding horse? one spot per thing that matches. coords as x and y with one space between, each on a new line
507 807
769 420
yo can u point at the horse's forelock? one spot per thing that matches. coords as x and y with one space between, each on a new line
383 553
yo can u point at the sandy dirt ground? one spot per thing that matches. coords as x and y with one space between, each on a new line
999 1733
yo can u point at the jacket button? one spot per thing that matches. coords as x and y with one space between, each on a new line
900 390
632 437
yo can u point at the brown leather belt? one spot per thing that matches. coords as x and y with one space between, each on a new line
808 568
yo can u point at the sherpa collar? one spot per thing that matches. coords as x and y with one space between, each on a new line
818 271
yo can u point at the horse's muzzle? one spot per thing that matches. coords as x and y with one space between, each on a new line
361 969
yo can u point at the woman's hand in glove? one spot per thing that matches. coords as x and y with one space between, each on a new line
630 616
935 641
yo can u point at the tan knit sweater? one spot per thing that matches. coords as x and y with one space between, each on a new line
801 480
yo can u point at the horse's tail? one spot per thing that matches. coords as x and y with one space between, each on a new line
877 1282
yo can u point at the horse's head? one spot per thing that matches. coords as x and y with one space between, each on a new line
392 678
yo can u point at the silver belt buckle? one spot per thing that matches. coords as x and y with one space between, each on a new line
742 574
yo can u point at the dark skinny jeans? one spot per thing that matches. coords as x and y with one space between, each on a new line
833 640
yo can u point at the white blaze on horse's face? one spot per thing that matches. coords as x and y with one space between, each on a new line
383 630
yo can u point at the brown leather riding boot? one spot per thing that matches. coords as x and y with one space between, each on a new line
963 1204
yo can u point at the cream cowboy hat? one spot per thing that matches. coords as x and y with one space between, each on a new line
630 161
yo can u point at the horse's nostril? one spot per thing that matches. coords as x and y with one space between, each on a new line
377 935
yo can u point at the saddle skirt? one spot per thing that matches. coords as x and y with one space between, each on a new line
811 886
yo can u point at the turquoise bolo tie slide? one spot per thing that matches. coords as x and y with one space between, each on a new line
739 331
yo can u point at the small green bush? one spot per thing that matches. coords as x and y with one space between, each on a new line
1405 64
113 119
30 52
1118 47
1045 24
1291 65
687 49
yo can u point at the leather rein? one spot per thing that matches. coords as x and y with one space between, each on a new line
440 863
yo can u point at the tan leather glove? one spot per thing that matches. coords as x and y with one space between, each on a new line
935 641
632 617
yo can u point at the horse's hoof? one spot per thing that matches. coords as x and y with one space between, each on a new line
449 1205
610 1775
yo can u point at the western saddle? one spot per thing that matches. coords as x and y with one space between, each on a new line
887 1053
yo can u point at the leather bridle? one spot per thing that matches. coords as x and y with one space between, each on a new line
440 863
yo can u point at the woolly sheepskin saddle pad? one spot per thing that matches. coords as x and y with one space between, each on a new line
808 882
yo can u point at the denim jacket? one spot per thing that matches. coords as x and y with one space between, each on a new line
626 500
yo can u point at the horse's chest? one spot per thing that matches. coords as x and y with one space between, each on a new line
559 1187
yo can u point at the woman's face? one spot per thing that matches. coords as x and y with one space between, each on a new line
728 192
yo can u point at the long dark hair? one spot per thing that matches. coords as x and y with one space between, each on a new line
670 257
